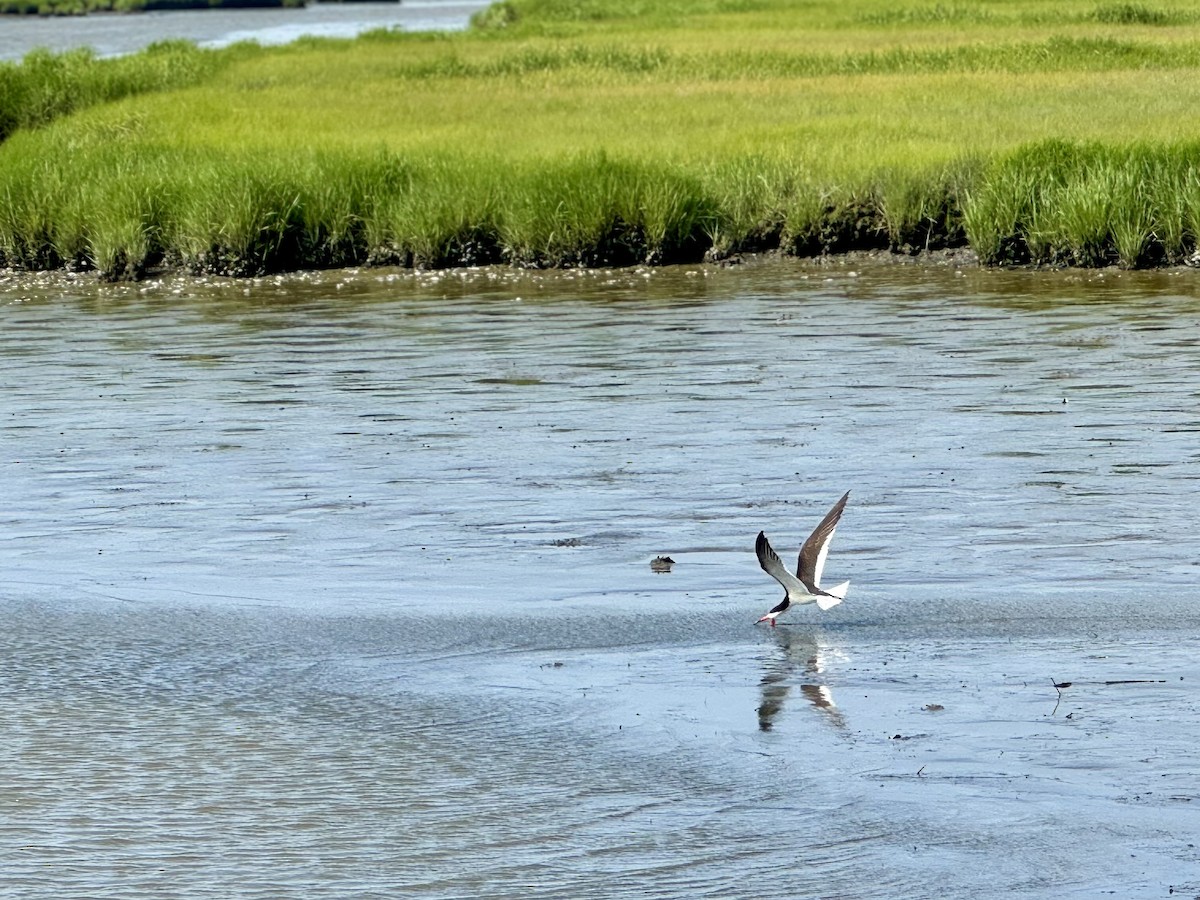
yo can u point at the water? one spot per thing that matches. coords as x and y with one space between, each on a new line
115 34
338 585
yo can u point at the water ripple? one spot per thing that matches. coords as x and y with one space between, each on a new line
312 592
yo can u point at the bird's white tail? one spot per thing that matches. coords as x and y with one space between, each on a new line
838 592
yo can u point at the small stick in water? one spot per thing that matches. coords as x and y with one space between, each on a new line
1059 685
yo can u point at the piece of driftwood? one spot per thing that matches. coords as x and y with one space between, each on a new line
1061 685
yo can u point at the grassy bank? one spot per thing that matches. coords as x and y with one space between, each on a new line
46 86
592 133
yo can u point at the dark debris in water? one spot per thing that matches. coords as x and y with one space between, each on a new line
661 564
1067 684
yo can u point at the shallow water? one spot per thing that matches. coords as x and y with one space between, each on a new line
115 34
339 585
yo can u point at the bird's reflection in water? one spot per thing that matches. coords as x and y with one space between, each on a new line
800 652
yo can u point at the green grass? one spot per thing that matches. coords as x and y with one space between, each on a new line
45 86
1088 205
622 131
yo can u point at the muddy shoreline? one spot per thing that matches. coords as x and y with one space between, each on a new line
946 258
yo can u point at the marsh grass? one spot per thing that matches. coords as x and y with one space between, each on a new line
1088 205
29 215
751 196
1137 14
923 15
45 85
922 209
553 16
625 131
1051 203
247 215
440 213
1056 53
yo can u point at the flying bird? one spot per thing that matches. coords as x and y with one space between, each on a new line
805 585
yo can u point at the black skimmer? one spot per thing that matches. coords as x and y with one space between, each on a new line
805 585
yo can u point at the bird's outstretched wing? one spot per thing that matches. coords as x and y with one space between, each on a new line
816 548
773 565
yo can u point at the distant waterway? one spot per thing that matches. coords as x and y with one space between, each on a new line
338 585
111 34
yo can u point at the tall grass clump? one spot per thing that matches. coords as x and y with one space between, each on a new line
115 226
32 195
749 196
594 210
202 210
1130 14
255 214
924 15
590 210
44 85
583 211
922 208
675 217
821 219
439 212
1087 204
543 12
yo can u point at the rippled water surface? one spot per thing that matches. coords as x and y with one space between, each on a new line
338 585
117 33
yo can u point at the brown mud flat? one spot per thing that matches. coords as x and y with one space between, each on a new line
934 260
960 257
951 257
